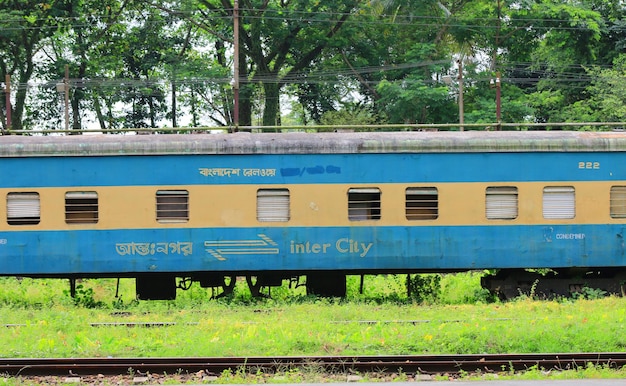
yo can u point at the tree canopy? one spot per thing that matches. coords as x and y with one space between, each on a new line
155 64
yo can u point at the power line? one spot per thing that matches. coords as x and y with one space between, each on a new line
164 83
14 24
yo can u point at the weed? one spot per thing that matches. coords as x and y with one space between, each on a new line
119 304
482 295
401 376
84 297
589 293
533 289
424 288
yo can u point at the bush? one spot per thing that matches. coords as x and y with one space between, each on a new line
424 288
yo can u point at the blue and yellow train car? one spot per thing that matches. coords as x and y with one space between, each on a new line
275 206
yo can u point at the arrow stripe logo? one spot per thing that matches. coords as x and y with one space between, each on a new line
261 246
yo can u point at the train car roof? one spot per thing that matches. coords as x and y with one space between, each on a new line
315 143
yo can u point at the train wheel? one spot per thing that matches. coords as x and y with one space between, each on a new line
227 289
326 284
255 287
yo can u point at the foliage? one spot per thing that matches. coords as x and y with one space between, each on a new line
481 101
607 91
350 114
414 102
24 25
590 293
84 297
424 288
464 288
153 64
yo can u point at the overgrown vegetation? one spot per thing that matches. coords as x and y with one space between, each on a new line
101 293
423 289
446 314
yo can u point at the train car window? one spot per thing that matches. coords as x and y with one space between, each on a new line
172 206
422 203
501 203
81 207
618 201
559 202
364 204
272 205
23 208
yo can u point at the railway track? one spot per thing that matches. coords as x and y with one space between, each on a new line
411 364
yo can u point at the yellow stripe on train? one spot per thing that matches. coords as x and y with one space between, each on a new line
135 207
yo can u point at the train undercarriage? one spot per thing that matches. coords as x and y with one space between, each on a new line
553 283
164 286
505 284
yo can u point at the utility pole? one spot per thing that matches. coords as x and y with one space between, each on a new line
174 123
495 57
460 79
66 84
7 90
236 65
498 100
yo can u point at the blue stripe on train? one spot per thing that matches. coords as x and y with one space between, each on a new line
298 249
315 168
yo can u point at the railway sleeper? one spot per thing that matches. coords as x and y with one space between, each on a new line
511 283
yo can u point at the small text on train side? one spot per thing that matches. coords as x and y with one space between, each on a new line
570 236
588 165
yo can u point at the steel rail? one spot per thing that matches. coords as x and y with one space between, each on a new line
425 364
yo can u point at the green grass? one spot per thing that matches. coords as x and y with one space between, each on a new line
455 289
317 328
43 321
453 315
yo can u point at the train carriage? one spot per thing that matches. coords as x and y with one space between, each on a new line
326 205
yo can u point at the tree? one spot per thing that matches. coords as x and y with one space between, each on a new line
24 26
84 43
391 55
138 63
416 101
205 89
481 102
607 96
278 39
548 44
